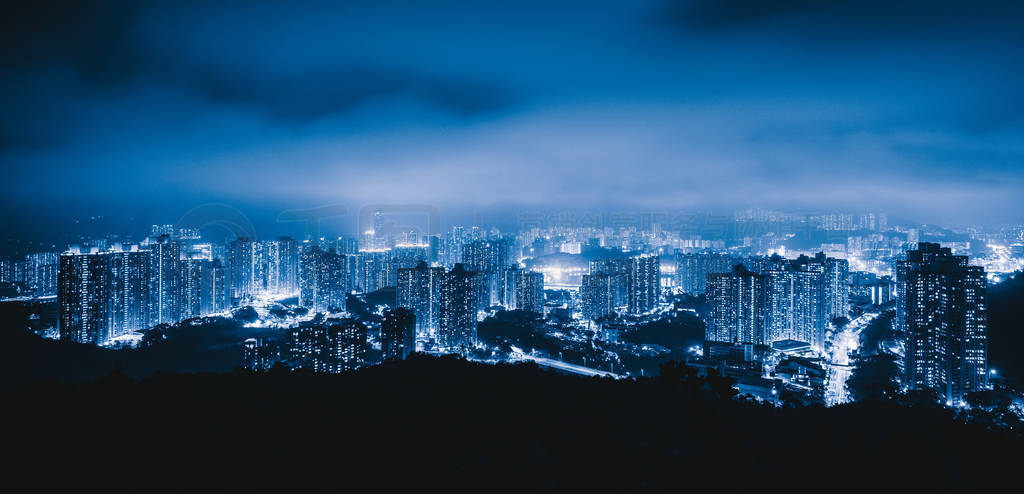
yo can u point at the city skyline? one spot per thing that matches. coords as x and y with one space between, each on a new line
769 303
566 245
223 222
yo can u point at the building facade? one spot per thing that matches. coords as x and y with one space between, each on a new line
398 334
942 308
458 315
84 298
737 307
419 289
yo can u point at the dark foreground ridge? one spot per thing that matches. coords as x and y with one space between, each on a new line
429 421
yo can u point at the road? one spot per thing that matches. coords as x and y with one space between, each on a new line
844 343
518 355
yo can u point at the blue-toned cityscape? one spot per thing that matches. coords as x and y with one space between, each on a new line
776 301
535 246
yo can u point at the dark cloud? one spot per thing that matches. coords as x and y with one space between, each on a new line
91 37
302 96
100 48
845 18
144 104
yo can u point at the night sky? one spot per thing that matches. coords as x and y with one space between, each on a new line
145 109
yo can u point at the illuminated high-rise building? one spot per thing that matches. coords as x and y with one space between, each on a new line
214 291
433 243
610 266
866 221
881 291
191 286
618 272
308 347
737 303
601 294
489 258
835 280
336 345
692 270
643 284
272 267
241 252
42 271
347 245
288 265
942 309
266 268
837 287
130 278
7 271
353 275
163 230
781 303
801 296
452 247
457 320
383 232
836 221
322 280
530 292
346 345
407 256
83 296
165 281
398 334
419 289
376 270
507 286
827 283
263 267
522 289
810 320
258 354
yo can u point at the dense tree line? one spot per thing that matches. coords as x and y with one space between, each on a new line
878 334
1006 329
676 331
209 344
875 377
447 423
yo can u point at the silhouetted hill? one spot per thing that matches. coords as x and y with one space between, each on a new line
429 422
1006 328
211 344
385 296
675 332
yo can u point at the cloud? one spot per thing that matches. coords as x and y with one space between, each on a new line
91 37
849 19
315 94
827 104
59 55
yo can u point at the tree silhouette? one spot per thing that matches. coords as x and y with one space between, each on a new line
875 377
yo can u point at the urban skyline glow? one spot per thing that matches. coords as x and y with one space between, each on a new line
566 245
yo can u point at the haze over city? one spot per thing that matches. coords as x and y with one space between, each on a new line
906 106
717 245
